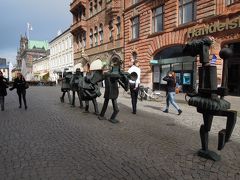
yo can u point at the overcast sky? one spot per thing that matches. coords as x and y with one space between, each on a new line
47 17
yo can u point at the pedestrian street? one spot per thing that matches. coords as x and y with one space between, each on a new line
52 140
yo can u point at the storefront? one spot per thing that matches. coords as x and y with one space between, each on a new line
234 70
172 59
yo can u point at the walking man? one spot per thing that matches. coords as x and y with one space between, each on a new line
134 85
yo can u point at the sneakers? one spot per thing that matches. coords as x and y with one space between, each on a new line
165 111
179 111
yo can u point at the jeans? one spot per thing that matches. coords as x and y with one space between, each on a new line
134 96
22 94
2 102
171 99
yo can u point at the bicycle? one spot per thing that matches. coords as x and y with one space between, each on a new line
148 94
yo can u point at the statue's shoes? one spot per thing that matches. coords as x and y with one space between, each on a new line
113 121
102 118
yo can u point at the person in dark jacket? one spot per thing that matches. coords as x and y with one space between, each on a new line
170 98
3 89
20 85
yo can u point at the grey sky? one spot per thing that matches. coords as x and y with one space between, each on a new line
45 16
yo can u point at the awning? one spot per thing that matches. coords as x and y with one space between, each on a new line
172 60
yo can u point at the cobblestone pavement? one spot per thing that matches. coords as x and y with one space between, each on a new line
51 140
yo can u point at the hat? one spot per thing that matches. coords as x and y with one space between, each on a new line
78 66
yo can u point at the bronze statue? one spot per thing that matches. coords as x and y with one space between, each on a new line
66 85
112 78
88 85
74 86
207 100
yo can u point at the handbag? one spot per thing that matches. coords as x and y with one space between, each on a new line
26 85
177 90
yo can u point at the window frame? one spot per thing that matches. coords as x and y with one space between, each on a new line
135 25
91 38
155 16
181 6
118 26
110 27
230 2
101 33
96 36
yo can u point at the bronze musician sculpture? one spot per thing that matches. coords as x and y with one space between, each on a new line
207 100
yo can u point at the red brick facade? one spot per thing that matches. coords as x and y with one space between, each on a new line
149 44
93 18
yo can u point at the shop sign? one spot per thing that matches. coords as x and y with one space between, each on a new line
217 26
153 61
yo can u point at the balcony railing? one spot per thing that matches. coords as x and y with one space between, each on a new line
74 5
79 26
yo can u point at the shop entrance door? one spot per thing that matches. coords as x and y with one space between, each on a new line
234 71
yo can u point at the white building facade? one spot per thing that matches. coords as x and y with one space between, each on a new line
41 69
61 55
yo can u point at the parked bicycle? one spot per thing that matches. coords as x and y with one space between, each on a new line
146 93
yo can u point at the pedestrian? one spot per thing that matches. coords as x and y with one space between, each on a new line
3 89
134 85
21 86
170 92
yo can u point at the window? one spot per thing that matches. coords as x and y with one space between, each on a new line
101 33
96 36
118 27
79 39
187 11
100 5
135 1
229 2
135 27
157 20
110 30
95 7
134 56
91 9
84 39
91 38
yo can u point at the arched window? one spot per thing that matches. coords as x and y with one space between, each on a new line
134 56
91 38
91 9
118 27
110 26
100 5
101 33
96 35
84 39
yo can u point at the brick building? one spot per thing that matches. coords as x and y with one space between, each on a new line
157 30
97 30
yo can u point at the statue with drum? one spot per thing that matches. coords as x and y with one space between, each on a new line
209 100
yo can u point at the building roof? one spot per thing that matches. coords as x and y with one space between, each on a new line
32 44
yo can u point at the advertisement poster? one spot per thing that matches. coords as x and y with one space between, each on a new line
186 78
